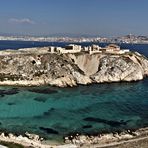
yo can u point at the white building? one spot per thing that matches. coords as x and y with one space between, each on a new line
71 49
52 49
113 48
94 49
68 49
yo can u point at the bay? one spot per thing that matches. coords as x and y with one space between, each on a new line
56 112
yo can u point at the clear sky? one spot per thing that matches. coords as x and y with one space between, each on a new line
78 17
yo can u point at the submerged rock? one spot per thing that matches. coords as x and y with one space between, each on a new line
49 130
87 126
9 92
48 113
108 122
42 91
11 103
40 99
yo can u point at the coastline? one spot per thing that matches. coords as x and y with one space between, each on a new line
102 135
36 68
109 140
30 140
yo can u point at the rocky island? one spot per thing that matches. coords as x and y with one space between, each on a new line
70 66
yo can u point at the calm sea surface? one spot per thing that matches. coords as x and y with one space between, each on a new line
56 112
142 48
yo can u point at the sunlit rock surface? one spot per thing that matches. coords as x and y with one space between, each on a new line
37 66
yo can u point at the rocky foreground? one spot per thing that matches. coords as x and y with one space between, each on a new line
37 66
126 139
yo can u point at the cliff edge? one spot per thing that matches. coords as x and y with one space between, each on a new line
37 66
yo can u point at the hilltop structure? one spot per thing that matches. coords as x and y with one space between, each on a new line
70 66
72 48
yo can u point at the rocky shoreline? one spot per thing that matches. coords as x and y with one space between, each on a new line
37 66
109 140
30 140
101 139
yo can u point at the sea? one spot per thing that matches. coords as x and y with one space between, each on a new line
54 113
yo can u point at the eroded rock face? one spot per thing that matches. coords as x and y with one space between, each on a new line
86 62
114 69
43 68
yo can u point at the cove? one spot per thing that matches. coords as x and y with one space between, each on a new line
57 112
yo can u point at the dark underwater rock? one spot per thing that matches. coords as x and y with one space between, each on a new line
9 92
47 113
40 99
87 126
11 103
43 91
108 122
49 130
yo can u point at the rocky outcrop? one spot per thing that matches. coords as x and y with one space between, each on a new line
127 138
29 140
39 67
112 67
101 139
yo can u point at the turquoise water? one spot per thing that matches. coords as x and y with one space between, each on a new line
56 112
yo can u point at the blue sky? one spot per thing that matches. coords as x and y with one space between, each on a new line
78 17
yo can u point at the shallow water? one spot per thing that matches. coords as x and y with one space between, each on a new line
56 112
